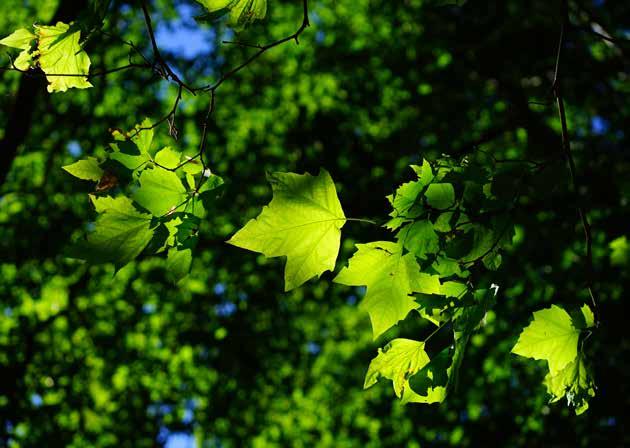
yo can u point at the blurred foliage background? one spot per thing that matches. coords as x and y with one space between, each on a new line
225 359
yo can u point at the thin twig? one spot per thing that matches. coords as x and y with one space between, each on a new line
566 148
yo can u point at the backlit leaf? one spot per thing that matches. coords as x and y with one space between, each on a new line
390 278
87 169
397 361
303 222
160 191
550 336
61 54
121 232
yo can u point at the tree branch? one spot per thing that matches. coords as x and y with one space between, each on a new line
568 154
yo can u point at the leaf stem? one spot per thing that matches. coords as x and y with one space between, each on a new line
368 221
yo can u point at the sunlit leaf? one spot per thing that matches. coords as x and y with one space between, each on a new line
87 169
121 232
160 191
397 361
390 278
59 53
302 222
550 336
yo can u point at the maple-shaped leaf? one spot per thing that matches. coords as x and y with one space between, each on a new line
575 382
397 361
241 12
303 222
551 336
56 50
59 53
390 278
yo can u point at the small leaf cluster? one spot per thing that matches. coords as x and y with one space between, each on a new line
168 195
553 335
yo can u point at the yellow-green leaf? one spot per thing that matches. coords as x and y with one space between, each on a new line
121 232
21 39
390 278
60 54
87 169
302 222
397 361
550 336
160 191
573 381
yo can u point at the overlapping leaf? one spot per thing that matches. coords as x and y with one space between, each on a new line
160 191
391 277
56 50
397 361
120 234
554 335
574 382
551 336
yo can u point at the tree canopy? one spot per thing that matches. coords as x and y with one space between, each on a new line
314 223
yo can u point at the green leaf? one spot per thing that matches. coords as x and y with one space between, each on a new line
302 222
172 227
160 191
419 238
453 289
87 169
447 267
550 336
133 149
575 382
60 54
469 316
440 196
24 61
390 278
486 242
431 383
426 173
167 157
443 222
619 251
405 198
241 12
178 262
143 136
395 223
589 317
492 261
397 361
121 232
21 39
